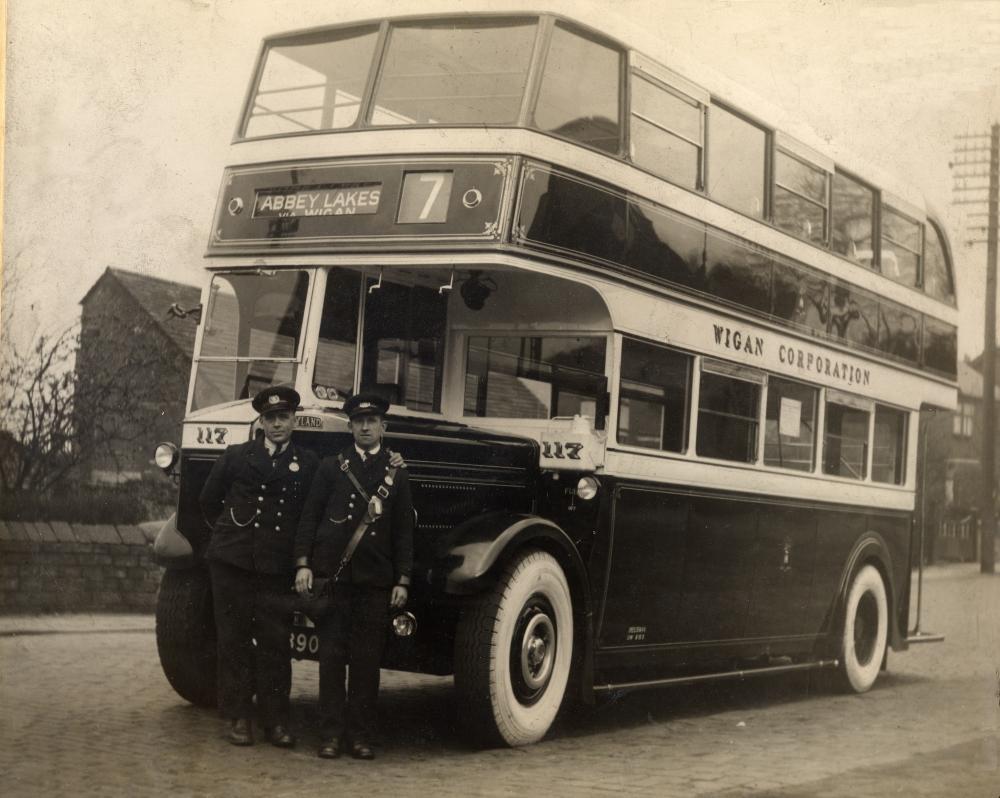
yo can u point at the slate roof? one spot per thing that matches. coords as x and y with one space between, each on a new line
155 295
970 381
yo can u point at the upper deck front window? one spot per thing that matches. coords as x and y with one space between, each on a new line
314 83
454 73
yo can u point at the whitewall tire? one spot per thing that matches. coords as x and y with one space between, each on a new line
513 652
865 630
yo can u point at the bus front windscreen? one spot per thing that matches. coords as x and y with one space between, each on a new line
252 329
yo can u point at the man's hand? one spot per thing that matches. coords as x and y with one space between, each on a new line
396 460
398 599
303 581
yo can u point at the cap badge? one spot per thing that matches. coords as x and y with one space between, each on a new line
273 399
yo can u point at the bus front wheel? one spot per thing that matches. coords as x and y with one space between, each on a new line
865 631
185 635
513 651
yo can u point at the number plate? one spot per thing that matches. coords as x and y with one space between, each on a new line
303 639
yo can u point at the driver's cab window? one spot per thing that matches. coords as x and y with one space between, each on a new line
402 340
403 344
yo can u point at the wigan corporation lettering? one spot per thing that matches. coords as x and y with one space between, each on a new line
318 201
803 359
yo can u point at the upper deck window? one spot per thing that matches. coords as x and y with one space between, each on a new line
579 96
314 83
937 271
853 209
800 197
667 131
902 244
737 152
454 73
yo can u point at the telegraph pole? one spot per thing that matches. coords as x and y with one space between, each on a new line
968 160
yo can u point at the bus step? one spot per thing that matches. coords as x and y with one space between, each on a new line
923 637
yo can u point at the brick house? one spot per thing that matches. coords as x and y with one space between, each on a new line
132 366
951 474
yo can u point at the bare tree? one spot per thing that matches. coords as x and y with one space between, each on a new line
52 416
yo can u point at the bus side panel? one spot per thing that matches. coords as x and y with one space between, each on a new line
895 531
643 598
836 534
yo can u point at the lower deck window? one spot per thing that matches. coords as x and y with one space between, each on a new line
534 376
790 425
845 441
652 404
888 461
728 413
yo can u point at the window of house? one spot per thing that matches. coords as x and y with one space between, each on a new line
845 437
800 197
889 446
851 219
963 419
667 131
728 412
535 376
737 160
902 244
652 402
579 95
790 424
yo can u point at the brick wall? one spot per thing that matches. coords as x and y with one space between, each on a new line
59 567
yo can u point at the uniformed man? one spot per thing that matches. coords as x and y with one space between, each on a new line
254 496
358 509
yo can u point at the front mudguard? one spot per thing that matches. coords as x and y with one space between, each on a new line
171 549
469 559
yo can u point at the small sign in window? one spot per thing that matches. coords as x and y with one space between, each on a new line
425 198
791 417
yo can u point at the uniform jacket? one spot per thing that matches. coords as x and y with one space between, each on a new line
333 510
254 504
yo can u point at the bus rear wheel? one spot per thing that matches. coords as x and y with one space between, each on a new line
185 635
865 631
513 651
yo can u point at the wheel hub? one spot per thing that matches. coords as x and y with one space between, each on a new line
537 651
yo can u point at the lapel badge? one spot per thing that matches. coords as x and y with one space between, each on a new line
388 480
293 466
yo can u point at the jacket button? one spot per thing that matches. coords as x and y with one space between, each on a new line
350 517
263 486
353 495
350 504
277 529
256 526
260 498
281 501
279 514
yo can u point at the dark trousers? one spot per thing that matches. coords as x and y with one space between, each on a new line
352 635
253 607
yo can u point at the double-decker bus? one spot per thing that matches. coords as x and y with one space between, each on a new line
655 365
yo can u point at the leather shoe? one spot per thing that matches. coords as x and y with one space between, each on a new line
329 749
240 733
361 750
280 737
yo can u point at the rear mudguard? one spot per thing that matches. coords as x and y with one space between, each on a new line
470 558
171 549
871 548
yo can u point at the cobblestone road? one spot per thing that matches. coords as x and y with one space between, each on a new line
85 711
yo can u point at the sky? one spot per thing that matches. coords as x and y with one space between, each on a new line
120 113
